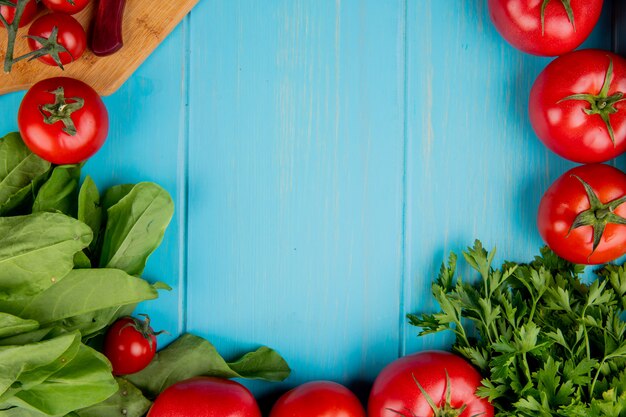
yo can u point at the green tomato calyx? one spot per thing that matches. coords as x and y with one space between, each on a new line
602 104
568 10
49 46
445 410
61 110
598 215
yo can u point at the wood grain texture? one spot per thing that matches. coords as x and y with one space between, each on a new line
295 182
146 24
325 157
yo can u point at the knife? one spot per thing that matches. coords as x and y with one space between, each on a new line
106 37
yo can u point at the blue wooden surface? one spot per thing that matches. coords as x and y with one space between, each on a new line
325 156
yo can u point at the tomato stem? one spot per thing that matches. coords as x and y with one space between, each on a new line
568 10
61 110
12 29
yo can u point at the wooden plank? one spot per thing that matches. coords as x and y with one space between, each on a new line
295 182
147 142
144 28
475 168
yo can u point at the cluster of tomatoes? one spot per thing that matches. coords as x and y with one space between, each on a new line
54 38
423 384
578 110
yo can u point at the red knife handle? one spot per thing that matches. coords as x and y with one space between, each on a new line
106 37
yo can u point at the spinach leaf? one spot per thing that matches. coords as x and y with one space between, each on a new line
36 251
15 360
86 290
11 325
84 381
89 209
127 398
113 195
33 336
81 261
19 167
60 192
191 356
135 227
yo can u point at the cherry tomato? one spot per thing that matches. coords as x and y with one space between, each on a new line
582 215
66 6
396 391
130 344
63 120
318 399
205 397
69 34
576 106
28 15
561 27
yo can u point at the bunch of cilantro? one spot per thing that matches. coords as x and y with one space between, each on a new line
548 343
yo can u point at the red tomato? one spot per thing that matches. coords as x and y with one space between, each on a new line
29 14
396 391
66 6
130 345
318 399
576 108
580 214
69 34
63 120
205 397
566 23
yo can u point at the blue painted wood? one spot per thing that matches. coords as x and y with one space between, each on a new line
475 168
295 182
325 156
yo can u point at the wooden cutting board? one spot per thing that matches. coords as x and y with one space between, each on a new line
146 24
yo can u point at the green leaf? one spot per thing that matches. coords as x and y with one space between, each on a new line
89 209
60 192
135 228
86 380
37 250
113 195
19 167
191 356
81 261
86 290
11 325
127 398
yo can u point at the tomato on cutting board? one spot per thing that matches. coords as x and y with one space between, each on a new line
582 216
61 29
318 399
66 6
576 106
545 27
205 397
63 120
408 386
28 15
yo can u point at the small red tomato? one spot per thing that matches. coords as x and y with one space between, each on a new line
66 6
582 216
52 30
63 120
576 106
130 345
205 397
29 14
545 27
318 399
403 388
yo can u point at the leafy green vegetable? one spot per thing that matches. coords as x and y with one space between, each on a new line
135 227
86 290
127 398
19 167
11 325
191 356
36 251
60 192
90 210
548 343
